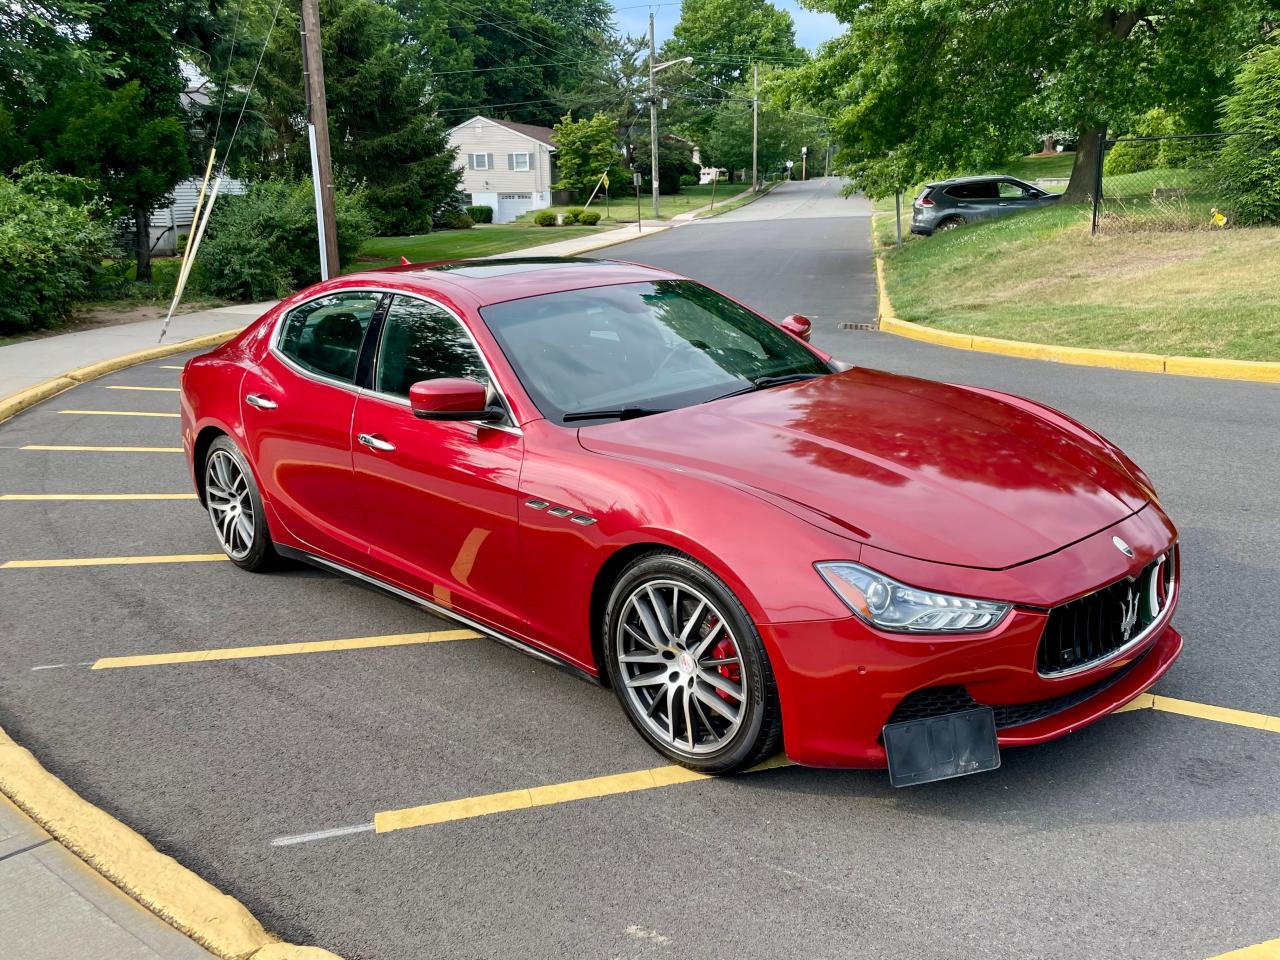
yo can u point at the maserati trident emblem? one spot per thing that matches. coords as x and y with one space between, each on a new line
1123 547
1129 616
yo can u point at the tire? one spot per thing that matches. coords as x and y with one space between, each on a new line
706 699
950 224
234 505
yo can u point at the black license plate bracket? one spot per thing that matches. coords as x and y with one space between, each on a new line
939 748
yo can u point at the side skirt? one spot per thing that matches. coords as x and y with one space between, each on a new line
506 640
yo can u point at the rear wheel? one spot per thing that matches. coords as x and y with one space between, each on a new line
235 507
951 223
689 667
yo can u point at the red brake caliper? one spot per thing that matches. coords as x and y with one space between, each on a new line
730 671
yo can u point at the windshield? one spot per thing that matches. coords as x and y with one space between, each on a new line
637 347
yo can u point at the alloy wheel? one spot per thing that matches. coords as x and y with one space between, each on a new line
681 667
230 504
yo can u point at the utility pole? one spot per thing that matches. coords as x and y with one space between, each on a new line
653 121
755 125
318 138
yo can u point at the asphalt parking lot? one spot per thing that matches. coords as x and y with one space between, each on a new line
1149 835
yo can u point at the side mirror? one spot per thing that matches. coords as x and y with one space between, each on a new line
452 398
802 327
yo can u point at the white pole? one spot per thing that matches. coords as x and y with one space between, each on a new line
315 183
193 244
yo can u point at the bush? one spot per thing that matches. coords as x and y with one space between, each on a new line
479 213
1248 166
589 218
688 180
573 215
544 218
51 251
457 220
263 244
1135 156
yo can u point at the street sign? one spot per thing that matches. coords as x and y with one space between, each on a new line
637 180
790 164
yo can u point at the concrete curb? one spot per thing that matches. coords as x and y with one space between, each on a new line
191 905
1257 371
17 402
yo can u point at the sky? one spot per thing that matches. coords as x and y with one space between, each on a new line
811 28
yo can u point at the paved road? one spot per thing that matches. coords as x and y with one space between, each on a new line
1147 836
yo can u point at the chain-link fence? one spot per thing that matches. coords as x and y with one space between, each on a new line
1161 183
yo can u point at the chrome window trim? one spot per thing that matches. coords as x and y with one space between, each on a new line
277 331
1159 623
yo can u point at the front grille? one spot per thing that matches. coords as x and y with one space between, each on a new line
1082 632
936 701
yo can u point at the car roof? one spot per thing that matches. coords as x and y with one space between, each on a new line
497 280
974 179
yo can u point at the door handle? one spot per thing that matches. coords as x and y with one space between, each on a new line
375 442
259 401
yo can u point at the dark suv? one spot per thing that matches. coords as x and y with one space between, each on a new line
953 203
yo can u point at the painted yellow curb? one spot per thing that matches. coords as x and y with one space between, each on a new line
1253 370
216 921
23 399
1261 951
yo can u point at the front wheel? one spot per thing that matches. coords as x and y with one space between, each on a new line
235 507
689 667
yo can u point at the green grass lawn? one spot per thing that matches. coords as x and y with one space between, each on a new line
620 210
1039 276
1035 166
482 240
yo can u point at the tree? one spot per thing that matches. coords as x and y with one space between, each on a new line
382 123
584 150
929 89
109 136
782 133
1248 166
675 160
725 37
39 47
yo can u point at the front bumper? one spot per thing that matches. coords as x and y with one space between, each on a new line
835 706
840 681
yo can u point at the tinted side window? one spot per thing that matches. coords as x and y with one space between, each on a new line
973 191
324 336
421 341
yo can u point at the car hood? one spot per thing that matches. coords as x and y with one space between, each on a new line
924 469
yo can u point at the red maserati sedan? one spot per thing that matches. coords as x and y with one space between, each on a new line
632 476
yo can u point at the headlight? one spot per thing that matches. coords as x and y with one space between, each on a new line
890 605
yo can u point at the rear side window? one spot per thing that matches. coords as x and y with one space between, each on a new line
423 341
1013 191
324 335
985 190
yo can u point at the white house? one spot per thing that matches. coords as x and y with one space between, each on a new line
505 165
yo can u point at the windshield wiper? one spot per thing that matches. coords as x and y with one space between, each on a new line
763 383
618 413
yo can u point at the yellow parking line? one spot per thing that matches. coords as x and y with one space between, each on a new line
285 649
119 413
80 449
1259 951
97 496
148 389
1204 711
548 795
113 561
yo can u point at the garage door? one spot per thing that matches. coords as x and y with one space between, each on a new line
512 205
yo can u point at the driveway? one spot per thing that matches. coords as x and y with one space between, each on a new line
1148 835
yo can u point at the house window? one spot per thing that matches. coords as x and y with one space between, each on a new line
519 161
479 161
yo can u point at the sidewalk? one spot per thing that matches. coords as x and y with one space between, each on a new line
54 907
29 362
